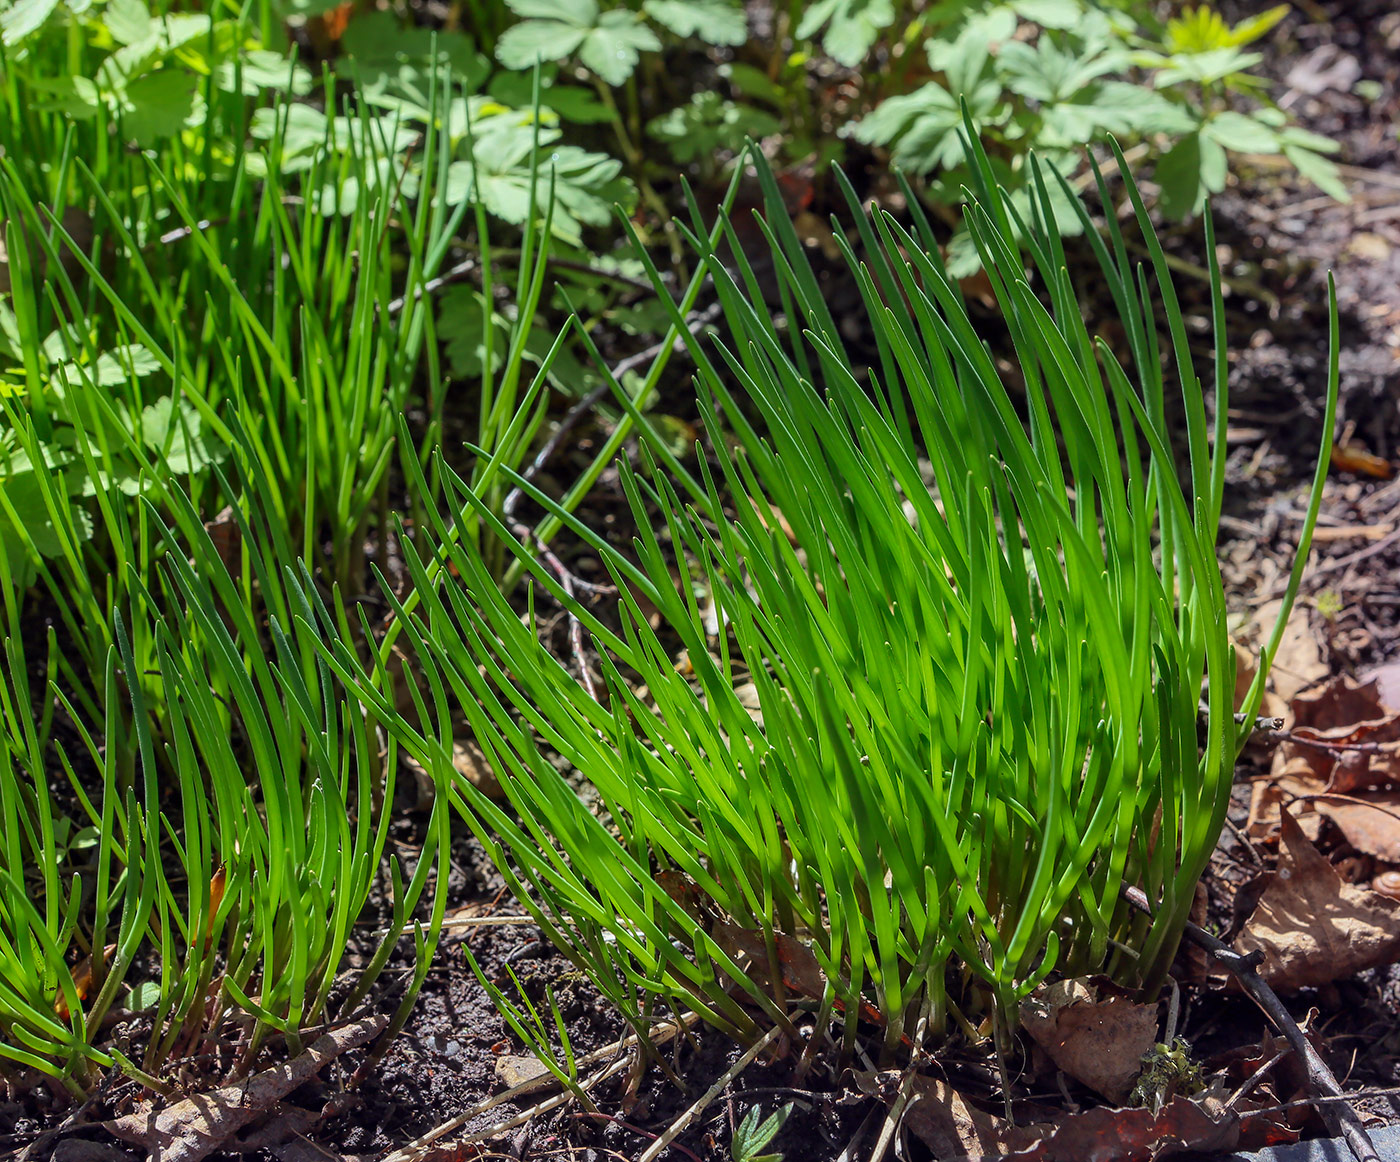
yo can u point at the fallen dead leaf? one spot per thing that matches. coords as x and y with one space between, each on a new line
1299 662
1387 680
1369 246
957 1131
82 981
799 968
953 1129
1344 740
1095 1035
195 1126
1312 927
1370 822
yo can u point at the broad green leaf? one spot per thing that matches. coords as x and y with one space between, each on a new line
1201 68
542 41
753 82
158 105
175 435
1047 73
609 44
922 127
383 58
26 495
852 26
962 53
1188 173
261 70
24 18
112 369
74 96
1115 107
1319 170
613 49
1240 132
128 21
1064 14
713 21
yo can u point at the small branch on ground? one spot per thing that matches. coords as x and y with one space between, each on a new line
695 321
194 1127
572 583
621 1051
1341 1119
678 1127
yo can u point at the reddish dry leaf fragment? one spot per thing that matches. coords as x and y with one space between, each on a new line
82 982
1096 1036
799 968
1358 460
1311 926
1136 1135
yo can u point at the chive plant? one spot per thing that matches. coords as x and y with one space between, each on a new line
237 833
978 626
51 912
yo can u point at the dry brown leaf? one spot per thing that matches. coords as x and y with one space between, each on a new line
956 1131
1183 1126
1387 682
1299 662
1357 458
82 981
1311 926
1269 796
940 1117
1370 822
799 968
1345 739
1094 1035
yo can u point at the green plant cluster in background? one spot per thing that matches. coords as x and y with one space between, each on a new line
1042 75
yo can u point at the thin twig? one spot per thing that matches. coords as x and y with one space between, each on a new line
895 1115
1357 557
678 1127
696 320
571 584
415 1150
1250 1082
1334 744
1340 1117
598 1115
446 278
570 581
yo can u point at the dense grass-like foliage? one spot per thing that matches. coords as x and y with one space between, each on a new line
953 703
